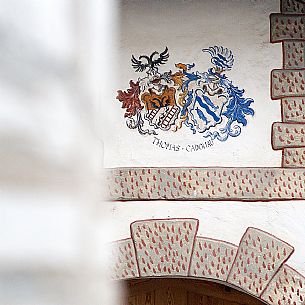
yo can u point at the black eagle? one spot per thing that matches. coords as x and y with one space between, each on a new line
150 63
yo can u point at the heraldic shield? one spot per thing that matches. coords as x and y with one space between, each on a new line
205 102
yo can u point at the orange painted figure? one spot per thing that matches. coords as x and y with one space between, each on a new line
153 101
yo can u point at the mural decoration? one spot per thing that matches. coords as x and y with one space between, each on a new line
241 184
207 103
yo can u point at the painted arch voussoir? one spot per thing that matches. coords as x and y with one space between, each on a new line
294 54
212 259
259 257
287 287
124 260
164 247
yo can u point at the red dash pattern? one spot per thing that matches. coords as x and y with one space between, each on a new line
164 247
285 135
124 260
287 83
258 258
287 287
287 27
212 259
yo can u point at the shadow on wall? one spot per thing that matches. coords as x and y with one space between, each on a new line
51 217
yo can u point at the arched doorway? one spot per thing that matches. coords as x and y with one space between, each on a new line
178 291
170 250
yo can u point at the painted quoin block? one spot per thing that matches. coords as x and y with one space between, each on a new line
287 27
293 110
287 135
294 157
288 84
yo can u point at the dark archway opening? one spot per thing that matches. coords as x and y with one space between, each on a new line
170 291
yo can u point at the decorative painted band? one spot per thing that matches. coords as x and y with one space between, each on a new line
287 83
287 27
161 247
244 184
292 7
293 157
288 135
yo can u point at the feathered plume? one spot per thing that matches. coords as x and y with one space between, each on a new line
221 57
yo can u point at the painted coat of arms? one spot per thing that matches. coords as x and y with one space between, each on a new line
205 102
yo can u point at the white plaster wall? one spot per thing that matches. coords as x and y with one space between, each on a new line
186 27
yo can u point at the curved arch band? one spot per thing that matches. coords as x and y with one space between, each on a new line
171 248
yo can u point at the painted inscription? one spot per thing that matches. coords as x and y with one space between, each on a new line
177 147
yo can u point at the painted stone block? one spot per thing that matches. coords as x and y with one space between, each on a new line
164 247
293 157
293 110
258 258
294 54
212 258
286 135
287 287
125 264
292 6
287 83
287 27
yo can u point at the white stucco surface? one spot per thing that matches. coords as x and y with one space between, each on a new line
186 27
226 220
